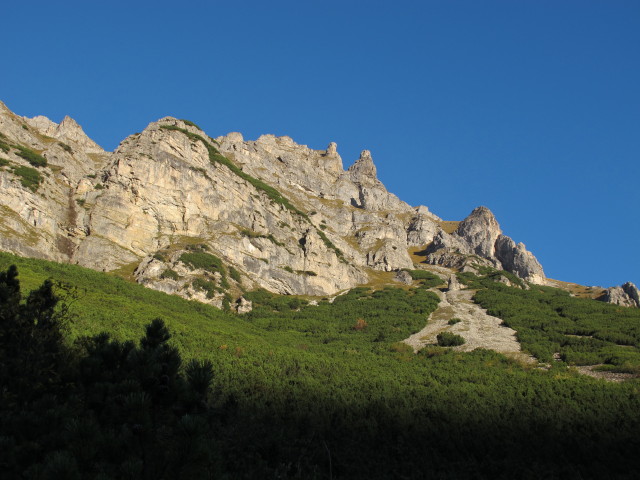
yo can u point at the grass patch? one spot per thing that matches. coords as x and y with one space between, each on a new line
170 274
202 260
427 279
453 321
191 124
30 156
29 177
307 273
234 274
251 234
448 226
329 244
206 286
66 147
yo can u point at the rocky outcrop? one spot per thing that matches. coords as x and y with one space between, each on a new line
403 277
243 305
67 131
388 257
632 291
626 295
478 240
422 227
365 190
479 231
517 259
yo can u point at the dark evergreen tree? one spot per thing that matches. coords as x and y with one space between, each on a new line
32 349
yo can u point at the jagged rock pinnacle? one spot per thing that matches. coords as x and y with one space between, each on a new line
480 229
70 130
363 168
332 149
235 137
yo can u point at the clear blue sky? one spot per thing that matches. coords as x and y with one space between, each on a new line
531 108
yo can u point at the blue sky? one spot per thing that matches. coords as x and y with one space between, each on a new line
531 108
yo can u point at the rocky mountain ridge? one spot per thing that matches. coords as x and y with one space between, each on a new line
210 218
626 295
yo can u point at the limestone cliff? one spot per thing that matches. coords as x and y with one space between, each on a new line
202 217
478 240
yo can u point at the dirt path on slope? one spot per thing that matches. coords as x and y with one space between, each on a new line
477 328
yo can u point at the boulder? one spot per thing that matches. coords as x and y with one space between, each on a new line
403 277
243 305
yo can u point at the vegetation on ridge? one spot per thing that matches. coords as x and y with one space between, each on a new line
216 157
190 123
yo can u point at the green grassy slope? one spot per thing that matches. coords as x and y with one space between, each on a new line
549 321
102 302
305 380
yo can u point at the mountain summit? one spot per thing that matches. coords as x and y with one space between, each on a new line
189 214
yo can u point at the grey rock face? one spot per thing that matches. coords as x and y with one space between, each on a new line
68 131
480 230
424 211
422 228
479 240
626 295
243 305
632 291
332 149
403 277
388 257
160 191
364 171
449 243
516 259
452 259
